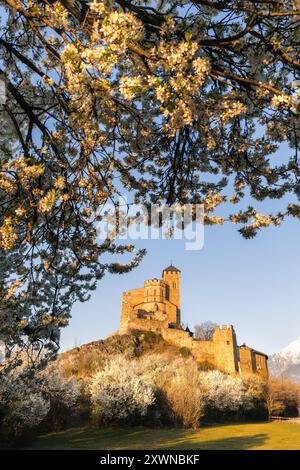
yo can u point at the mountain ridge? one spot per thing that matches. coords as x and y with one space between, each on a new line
286 363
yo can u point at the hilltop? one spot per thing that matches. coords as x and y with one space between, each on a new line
83 361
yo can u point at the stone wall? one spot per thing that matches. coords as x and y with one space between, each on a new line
247 360
261 365
221 353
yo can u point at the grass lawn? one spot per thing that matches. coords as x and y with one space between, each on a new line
274 435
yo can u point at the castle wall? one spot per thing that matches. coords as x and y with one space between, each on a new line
177 337
216 354
221 353
261 365
251 362
204 353
136 296
172 315
246 360
147 324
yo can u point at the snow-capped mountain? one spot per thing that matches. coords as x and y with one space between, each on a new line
287 362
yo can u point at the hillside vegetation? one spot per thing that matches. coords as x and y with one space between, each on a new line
83 361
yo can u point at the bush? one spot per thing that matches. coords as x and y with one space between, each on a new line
22 408
30 398
185 352
224 395
283 398
147 336
62 395
119 394
183 392
257 391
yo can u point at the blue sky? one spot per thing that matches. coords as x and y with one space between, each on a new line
252 284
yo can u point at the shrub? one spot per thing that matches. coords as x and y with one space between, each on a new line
183 392
257 392
22 408
224 394
62 395
31 398
118 393
283 398
185 352
146 335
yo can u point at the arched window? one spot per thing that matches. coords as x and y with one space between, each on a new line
174 285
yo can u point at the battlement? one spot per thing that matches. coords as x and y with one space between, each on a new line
224 328
154 282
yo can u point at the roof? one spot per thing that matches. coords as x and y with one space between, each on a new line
172 268
244 345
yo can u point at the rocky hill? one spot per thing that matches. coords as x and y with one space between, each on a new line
83 361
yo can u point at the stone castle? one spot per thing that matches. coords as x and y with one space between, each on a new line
156 307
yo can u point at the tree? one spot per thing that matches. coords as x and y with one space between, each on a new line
205 331
283 398
177 102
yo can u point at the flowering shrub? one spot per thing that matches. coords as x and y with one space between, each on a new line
119 393
257 392
224 393
21 408
62 396
28 398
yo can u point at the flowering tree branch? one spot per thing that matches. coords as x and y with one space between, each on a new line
170 102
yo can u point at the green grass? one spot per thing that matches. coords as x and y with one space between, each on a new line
232 436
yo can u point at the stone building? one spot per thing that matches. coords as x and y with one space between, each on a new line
156 307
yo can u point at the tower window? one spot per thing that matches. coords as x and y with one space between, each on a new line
174 285
167 292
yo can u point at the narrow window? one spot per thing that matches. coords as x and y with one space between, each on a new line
167 292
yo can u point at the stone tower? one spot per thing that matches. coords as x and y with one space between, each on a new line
171 277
